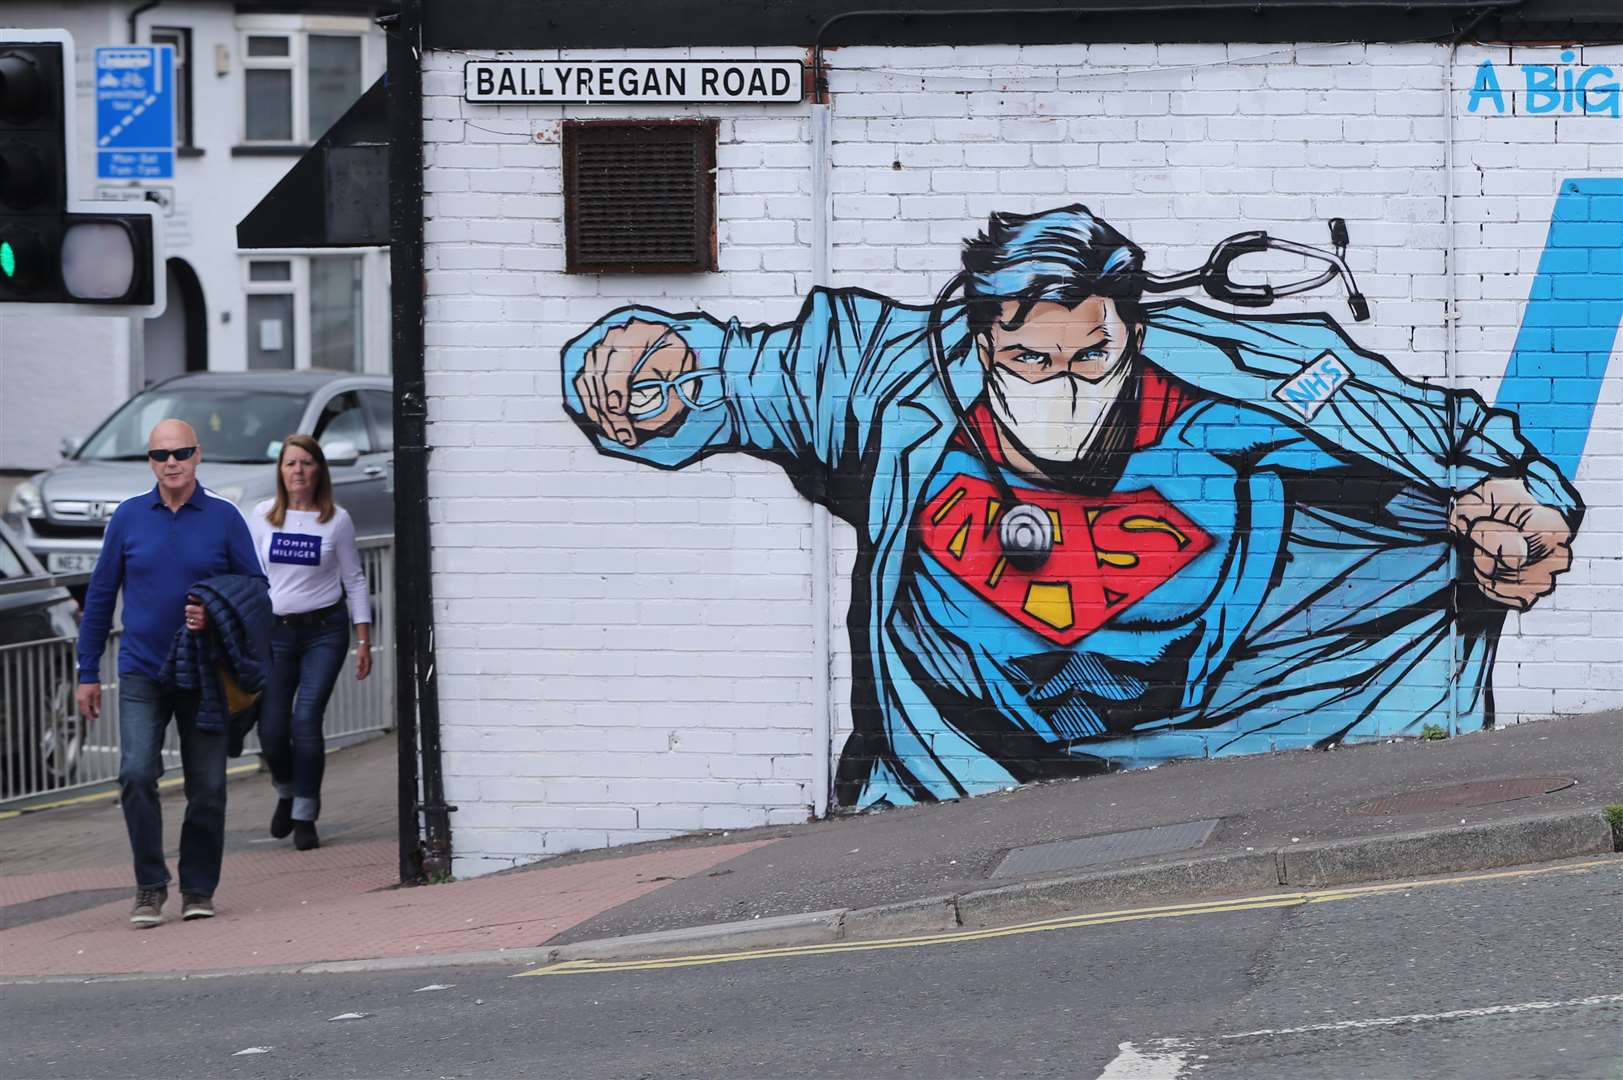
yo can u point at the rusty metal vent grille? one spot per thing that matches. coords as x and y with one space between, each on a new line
1461 796
640 197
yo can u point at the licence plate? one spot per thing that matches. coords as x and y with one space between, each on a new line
58 562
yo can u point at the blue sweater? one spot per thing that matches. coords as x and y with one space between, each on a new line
156 555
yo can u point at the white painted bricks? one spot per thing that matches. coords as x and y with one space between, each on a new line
626 653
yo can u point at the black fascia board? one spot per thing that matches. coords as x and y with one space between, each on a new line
486 26
312 7
337 193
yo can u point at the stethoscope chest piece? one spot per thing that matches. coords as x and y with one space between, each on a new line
1026 535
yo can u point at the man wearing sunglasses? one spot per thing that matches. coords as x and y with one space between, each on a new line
157 545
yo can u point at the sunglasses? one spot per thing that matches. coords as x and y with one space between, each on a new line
180 453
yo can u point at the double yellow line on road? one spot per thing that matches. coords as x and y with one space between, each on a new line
112 793
1069 922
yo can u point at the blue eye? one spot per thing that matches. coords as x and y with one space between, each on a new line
1098 353
1030 357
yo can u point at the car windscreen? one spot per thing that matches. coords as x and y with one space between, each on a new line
233 425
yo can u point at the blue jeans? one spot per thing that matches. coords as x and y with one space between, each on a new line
145 707
305 662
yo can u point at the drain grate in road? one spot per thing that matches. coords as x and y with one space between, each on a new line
1109 848
1460 796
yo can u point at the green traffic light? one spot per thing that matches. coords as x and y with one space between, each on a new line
8 259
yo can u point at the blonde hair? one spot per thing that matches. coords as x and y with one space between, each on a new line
323 494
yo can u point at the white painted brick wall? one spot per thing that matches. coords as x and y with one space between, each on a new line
626 653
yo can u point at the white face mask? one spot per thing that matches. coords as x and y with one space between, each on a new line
1057 419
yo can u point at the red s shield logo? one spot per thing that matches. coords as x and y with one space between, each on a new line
1109 553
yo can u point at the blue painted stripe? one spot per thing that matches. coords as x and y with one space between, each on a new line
1570 322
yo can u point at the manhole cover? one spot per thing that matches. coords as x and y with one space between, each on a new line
1459 796
1109 848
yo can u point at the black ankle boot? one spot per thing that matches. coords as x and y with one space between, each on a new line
282 819
304 835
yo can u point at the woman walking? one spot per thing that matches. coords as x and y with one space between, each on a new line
307 543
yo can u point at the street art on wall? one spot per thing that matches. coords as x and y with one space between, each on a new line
1098 529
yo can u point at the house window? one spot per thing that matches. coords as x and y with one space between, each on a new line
640 196
299 75
179 38
305 311
268 68
335 313
335 79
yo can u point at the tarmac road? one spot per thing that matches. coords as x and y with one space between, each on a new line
1512 975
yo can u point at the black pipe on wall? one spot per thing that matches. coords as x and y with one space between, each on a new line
425 840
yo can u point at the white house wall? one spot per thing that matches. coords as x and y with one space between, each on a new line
212 193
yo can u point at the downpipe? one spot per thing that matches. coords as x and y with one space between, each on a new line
1451 350
822 553
424 818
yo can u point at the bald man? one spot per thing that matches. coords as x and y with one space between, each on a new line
156 547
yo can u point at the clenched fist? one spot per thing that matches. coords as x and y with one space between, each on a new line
622 387
1518 545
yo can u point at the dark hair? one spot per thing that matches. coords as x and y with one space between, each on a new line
322 497
1064 255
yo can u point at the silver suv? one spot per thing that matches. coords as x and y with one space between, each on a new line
241 419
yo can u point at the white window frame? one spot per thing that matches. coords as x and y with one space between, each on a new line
297 30
298 287
183 40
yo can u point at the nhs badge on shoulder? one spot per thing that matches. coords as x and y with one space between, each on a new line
295 549
1314 385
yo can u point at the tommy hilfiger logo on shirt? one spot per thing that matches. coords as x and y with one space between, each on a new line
298 549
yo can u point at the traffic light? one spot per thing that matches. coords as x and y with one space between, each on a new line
59 255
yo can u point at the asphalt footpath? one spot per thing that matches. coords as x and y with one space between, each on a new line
1287 822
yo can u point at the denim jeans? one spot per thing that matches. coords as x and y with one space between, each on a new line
305 662
145 707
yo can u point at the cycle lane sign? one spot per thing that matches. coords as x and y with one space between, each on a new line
135 112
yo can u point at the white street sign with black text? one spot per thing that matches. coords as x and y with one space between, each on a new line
634 81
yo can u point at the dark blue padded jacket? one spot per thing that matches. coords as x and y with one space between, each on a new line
228 663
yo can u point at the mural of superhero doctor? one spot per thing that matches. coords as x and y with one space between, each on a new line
1099 532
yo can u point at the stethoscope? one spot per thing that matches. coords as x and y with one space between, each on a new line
1025 531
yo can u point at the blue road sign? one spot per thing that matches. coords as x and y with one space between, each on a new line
135 112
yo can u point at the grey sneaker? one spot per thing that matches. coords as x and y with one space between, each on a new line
196 907
148 910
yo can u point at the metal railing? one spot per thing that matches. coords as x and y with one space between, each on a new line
46 746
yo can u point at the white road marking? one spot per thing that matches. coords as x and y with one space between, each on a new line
1166 1062
1427 1018
1171 1059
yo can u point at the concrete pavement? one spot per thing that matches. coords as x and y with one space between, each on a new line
1530 793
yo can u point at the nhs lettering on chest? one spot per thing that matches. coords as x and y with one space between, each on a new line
1315 385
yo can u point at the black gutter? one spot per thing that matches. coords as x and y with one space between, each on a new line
424 855
1480 8
136 12
486 26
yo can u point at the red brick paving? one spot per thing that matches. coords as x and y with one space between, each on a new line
280 906
335 903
